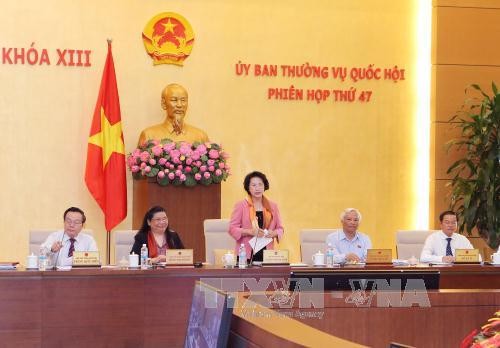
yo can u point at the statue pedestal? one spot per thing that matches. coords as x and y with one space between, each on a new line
186 208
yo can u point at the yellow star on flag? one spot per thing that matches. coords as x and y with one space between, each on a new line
109 138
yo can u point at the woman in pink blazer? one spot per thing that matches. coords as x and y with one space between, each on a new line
255 216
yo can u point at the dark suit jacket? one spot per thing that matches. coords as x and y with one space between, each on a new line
173 241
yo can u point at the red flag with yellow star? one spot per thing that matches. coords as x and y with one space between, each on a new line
105 170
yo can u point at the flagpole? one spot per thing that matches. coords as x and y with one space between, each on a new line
108 247
108 238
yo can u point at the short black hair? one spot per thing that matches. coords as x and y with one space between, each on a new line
255 174
75 210
447 212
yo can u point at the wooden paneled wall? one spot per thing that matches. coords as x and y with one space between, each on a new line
465 50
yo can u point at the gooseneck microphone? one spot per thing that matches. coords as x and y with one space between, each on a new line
255 224
254 245
59 251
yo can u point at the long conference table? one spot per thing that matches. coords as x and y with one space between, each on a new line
108 307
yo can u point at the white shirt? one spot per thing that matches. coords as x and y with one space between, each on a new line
343 246
83 242
435 246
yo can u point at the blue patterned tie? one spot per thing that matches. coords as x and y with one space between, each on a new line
448 248
71 247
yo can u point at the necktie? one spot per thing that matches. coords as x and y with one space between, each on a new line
448 248
71 247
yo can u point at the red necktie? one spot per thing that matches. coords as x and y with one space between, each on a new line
71 247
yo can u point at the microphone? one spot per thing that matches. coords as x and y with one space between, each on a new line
255 225
59 251
253 249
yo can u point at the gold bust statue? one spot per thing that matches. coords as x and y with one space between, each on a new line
174 100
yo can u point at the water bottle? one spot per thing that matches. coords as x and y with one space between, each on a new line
242 257
42 259
329 256
144 256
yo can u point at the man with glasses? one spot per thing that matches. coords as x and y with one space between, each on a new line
440 246
60 245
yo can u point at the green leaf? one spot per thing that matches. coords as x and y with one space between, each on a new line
190 181
154 172
163 182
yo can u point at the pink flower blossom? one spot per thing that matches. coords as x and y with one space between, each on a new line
178 172
175 153
171 176
210 162
144 156
147 169
197 176
224 155
201 149
131 161
203 168
187 169
179 166
162 161
185 149
189 161
206 175
218 172
211 168
222 165
195 155
136 153
213 154
152 161
182 177
161 174
157 150
198 164
135 169
171 166
143 165
169 147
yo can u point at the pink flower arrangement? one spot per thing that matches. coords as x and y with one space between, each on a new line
487 336
179 163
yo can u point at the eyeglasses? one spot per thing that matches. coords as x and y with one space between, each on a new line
73 222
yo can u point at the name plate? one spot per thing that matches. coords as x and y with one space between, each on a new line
466 256
86 259
379 256
179 257
275 257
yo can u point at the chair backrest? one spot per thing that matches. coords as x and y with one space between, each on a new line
411 243
216 237
312 241
37 237
122 241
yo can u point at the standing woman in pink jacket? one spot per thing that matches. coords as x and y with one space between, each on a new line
255 216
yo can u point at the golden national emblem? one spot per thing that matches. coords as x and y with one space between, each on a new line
168 38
